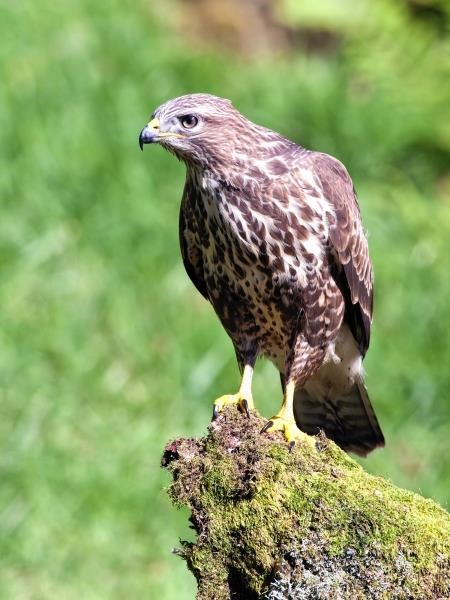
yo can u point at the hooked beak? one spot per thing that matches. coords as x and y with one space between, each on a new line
149 134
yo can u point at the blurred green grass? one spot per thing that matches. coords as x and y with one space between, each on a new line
108 351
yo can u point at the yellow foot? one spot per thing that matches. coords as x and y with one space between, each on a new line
244 404
288 426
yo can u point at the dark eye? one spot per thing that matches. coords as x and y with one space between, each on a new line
188 121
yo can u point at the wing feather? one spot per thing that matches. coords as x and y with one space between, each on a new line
347 238
190 252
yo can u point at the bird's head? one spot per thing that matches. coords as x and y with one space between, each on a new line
197 128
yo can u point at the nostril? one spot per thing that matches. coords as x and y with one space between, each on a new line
154 125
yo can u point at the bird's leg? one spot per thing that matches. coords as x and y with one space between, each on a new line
243 399
302 362
284 420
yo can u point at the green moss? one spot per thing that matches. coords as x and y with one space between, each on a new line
219 481
261 511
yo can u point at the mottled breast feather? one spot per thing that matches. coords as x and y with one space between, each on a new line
349 242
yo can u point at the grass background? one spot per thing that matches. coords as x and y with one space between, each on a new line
107 351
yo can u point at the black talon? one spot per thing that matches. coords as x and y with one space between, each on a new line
244 404
267 426
215 412
291 446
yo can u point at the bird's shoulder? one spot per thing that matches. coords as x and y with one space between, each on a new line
329 178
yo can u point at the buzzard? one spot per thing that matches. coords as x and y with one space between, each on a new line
271 235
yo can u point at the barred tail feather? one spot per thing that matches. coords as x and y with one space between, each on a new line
349 419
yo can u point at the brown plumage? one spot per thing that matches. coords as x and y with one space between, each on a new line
271 235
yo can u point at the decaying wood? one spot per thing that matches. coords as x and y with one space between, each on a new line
306 524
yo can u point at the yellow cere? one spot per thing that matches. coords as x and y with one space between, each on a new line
154 125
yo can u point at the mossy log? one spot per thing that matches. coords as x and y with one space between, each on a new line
305 524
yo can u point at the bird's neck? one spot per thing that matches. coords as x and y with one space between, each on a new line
233 171
208 179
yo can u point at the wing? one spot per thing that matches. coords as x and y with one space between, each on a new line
349 248
190 251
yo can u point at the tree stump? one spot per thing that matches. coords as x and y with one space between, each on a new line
306 524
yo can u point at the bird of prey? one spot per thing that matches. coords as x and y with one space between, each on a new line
271 236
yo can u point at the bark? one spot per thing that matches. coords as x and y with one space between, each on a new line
306 524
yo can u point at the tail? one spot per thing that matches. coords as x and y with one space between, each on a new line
348 419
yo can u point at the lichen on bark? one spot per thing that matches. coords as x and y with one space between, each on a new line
307 524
